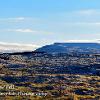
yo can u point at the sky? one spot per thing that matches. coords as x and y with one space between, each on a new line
29 24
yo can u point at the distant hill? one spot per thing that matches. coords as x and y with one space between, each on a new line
70 47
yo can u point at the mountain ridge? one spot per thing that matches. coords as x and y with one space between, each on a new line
68 47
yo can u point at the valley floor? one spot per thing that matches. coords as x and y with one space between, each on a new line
50 87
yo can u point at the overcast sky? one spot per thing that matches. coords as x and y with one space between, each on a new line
39 22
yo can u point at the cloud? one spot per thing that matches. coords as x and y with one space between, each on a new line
15 19
94 24
21 30
87 12
28 30
20 20
16 47
84 41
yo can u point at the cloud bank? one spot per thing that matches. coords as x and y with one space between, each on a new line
16 47
83 41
